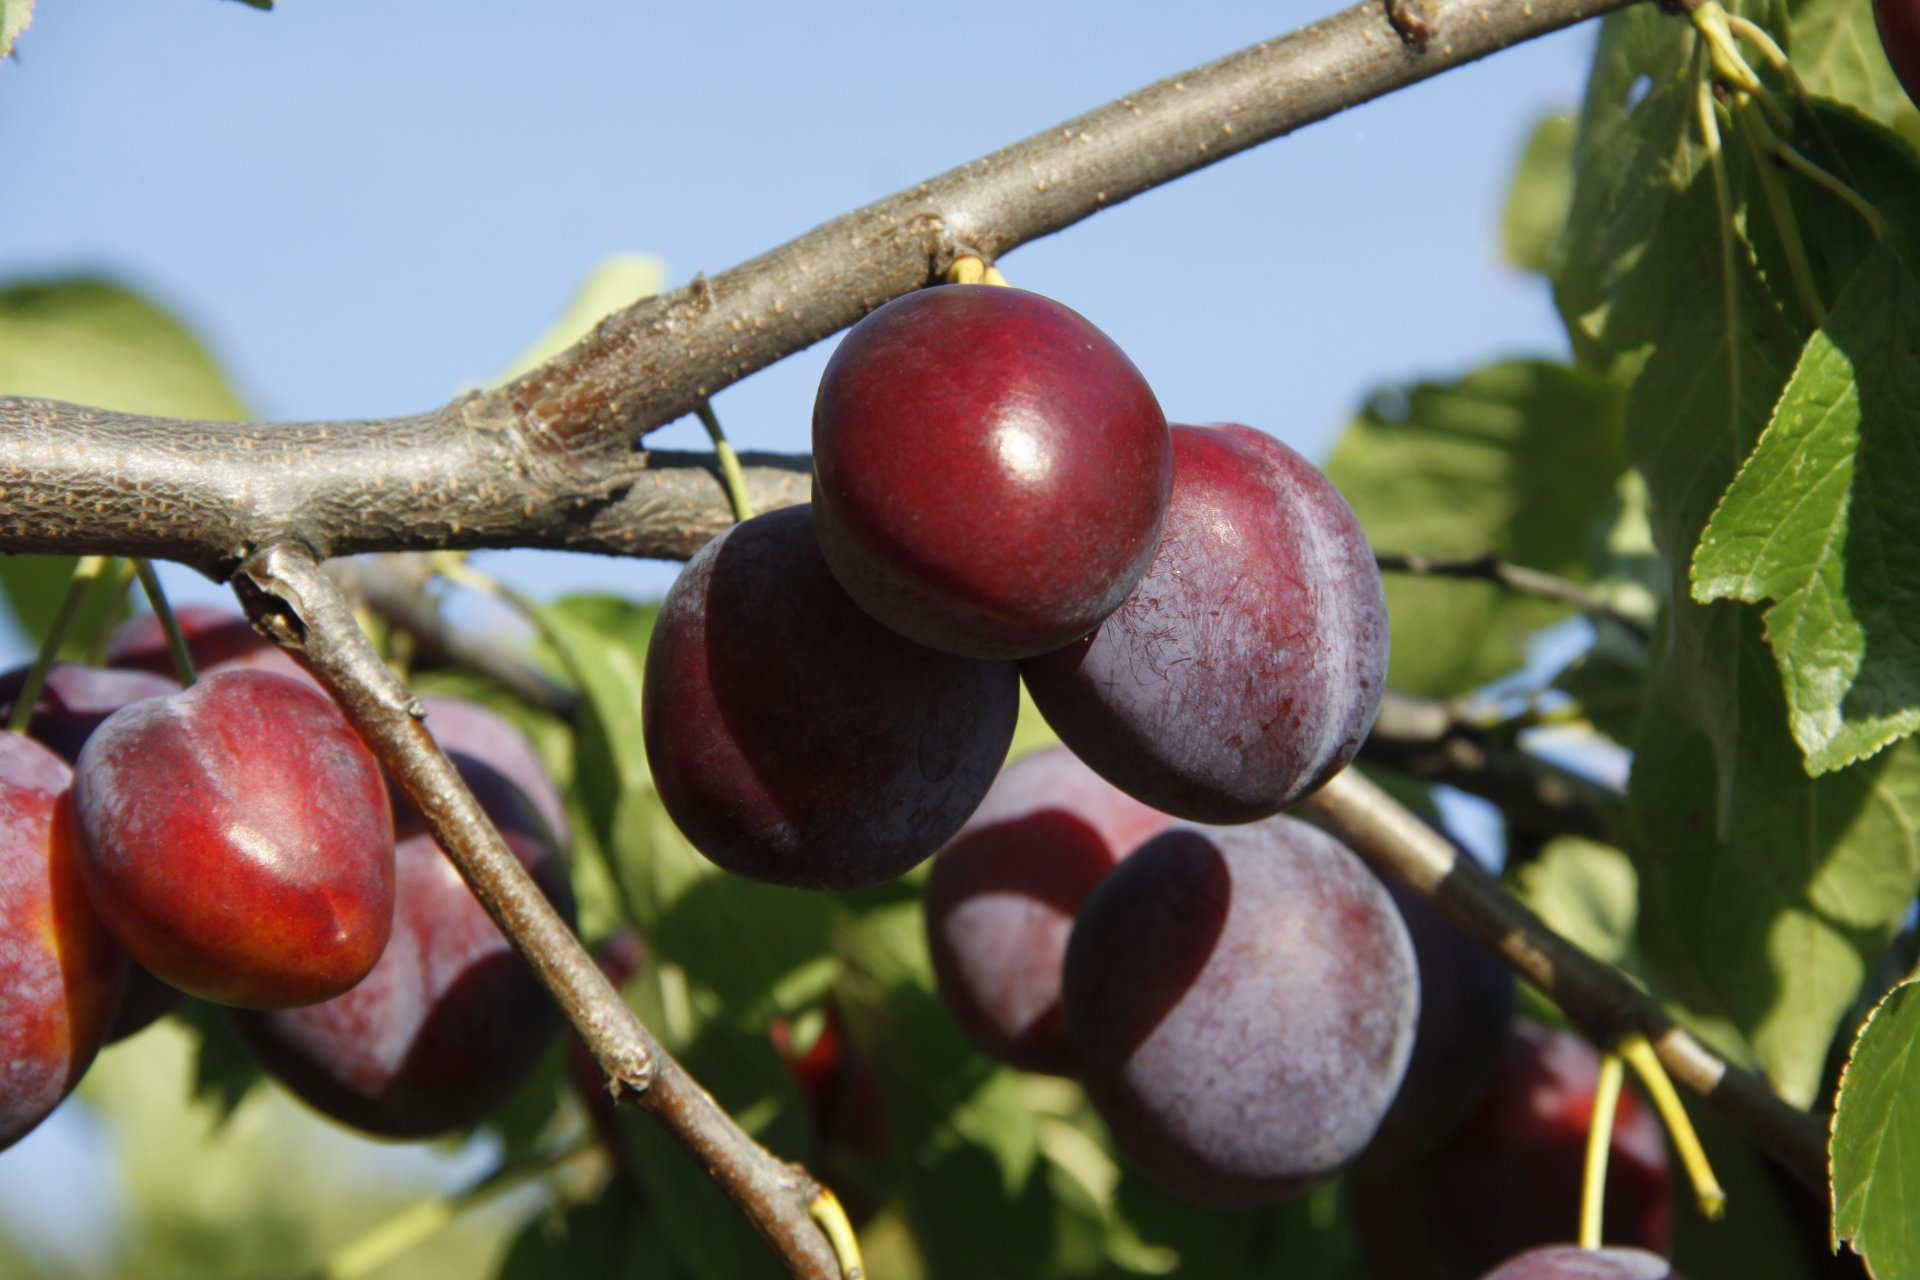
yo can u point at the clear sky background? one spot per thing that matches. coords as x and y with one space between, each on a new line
363 207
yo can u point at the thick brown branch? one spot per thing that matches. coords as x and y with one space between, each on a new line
1595 995
550 460
290 598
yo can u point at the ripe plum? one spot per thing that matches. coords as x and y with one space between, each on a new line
990 470
75 699
450 1021
60 972
1002 896
217 640
1899 24
1241 1001
1247 666
468 729
237 840
797 741
1569 1262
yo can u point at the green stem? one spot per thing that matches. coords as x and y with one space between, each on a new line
176 643
1639 1055
730 471
85 573
423 1220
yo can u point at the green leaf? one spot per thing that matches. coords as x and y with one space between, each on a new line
618 282
1824 520
1876 1139
1518 459
1541 193
1587 892
224 1069
15 16
1836 51
606 1240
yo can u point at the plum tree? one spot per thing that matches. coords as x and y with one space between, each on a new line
237 840
797 741
1003 894
449 1021
955 402
60 971
1247 666
1241 1003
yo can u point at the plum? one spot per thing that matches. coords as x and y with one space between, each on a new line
75 699
1241 1004
217 640
990 470
469 729
1898 22
60 971
1248 665
797 741
451 1020
1569 1262
237 840
1003 893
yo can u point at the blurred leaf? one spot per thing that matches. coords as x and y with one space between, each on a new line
1876 1139
616 283
1518 459
1824 520
224 1070
1836 51
15 16
1774 1227
1586 892
1541 192
609 1239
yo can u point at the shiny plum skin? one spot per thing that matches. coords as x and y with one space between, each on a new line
76 699
990 470
450 1021
1247 666
469 729
1510 1179
1466 1014
1003 893
217 640
797 741
1570 1262
60 972
1899 25
237 840
1241 1001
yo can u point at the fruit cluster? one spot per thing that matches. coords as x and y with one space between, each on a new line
235 841
997 497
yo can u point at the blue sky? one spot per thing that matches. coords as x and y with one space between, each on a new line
365 206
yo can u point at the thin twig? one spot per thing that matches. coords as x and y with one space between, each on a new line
291 599
1518 579
1598 997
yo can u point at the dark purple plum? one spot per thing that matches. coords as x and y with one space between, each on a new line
1247 666
237 840
1466 1013
1510 1179
990 470
1241 1003
1898 22
60 971
797 741
75 699
1002 896
1570 1262
450 1021
469 729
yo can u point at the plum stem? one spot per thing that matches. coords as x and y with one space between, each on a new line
827 1211
1518 579
169 625
1666 1100
1593 1183
970 269
292 600
730 472
1600 999
85 573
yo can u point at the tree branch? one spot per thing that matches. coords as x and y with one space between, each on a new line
1518 579
550 460
290 598
1596 996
